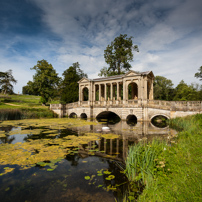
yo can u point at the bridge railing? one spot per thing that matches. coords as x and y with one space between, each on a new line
56 106
71 105
175 105
158 104
131 103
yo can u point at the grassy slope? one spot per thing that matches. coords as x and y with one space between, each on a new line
28 104
183 159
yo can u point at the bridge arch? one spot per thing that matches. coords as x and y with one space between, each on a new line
158 121
132 91
73 115
83 116
109 115
131 119
164 115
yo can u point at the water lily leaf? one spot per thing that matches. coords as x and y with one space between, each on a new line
87 177
7 189
50 169
110 177
107 172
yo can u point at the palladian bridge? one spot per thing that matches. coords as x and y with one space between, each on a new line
128 95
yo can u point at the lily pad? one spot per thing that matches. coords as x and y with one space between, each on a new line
87 177
107 172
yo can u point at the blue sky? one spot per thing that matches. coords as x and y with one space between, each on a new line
168 33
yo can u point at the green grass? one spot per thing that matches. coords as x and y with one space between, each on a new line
23 106
181 177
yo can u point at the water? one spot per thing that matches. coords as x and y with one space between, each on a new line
92 171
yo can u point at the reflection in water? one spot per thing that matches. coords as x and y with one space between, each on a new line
160 121
96 160
129 135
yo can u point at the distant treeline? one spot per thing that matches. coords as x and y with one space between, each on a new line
164 90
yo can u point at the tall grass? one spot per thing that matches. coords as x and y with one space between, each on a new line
144 161
16 114
181 177
10 114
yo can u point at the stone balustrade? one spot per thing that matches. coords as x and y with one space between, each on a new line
158 104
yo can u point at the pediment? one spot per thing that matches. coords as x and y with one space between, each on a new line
132 73
84 80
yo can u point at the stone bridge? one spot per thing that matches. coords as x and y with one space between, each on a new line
126 95
143 110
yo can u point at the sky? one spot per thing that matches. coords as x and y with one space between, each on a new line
168 34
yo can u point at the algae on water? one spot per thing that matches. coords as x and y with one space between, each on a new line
38 151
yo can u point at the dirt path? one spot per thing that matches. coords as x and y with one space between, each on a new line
13 104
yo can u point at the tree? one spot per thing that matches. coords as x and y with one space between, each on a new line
45 81
183 92
163 88
118 55
6 80
199 74
69 88
30 89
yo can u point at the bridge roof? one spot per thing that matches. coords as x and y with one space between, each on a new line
130 73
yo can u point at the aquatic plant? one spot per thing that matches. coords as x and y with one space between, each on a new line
144 161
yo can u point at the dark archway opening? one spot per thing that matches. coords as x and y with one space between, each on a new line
132 91
108 117
83 116
85 94
131 120
160 121
73 115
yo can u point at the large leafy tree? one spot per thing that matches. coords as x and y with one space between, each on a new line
30 89
199 74
45 81
6 80
118 55
163 88
69 89
184 92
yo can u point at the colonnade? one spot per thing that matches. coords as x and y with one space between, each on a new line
126 87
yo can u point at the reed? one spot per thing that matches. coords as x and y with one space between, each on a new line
10 114
144 161
24 113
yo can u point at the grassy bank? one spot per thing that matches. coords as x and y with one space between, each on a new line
172 170
23 107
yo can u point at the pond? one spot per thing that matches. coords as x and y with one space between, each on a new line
68 159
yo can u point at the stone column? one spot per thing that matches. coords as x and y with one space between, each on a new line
94 93
117 90
124 92
99 92
111 92
152 90
105 95
79 92
145 88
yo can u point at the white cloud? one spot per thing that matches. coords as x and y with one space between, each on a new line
167 32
